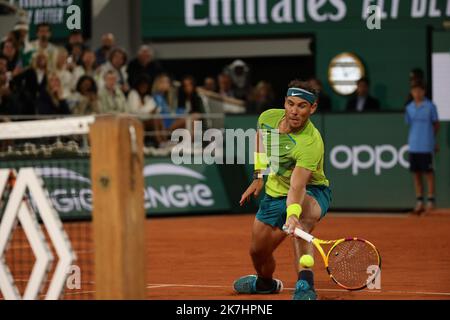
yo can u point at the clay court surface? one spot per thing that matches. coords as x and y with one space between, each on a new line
190 258
200 257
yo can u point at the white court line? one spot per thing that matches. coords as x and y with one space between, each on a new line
159 286
368 215
153 286
398 215
77 293
420 293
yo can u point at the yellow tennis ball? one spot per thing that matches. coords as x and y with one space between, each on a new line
307 261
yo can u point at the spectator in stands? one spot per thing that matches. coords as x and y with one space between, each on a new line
188 99
422 118
11 52
5 94
140 100
43 43
144 63
142 103
161 92
75 39
3 65
362 101
6 105
65 75
117 63
324 99
25 49
75 58
239 73
210 84
85 100
261 99
27 85
4 68
225 85
11 36
189 103
51 100
88 66
112 98
102 53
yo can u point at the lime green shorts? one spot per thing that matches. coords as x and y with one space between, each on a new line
272 211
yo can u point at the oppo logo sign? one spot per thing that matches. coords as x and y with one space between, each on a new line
364 157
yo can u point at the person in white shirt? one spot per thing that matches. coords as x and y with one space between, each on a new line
25 48
140 100
141 103
67 78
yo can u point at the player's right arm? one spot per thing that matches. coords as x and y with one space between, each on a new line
296 195
309 157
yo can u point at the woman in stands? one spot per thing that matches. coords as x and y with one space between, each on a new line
85 100
51 100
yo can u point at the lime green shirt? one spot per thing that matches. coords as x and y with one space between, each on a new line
303 149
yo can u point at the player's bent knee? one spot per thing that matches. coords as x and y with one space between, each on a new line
308 225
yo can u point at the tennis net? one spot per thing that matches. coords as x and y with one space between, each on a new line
46 238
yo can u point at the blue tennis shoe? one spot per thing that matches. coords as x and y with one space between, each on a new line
303 291
247 285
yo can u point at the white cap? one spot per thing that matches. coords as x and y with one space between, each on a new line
238 63
21 26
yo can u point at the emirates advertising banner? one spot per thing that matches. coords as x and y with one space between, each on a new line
199 18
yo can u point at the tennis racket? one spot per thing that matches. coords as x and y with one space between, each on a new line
351 263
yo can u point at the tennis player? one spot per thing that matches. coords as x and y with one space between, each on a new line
297 193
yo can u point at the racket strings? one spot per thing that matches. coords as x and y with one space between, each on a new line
352 262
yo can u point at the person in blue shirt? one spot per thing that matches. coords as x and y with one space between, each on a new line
423 120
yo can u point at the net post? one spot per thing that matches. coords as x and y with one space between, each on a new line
118 214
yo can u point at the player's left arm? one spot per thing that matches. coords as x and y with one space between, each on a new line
296 195
261 162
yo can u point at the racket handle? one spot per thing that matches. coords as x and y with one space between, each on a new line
301 234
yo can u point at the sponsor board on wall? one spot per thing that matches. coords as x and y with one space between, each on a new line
169 188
